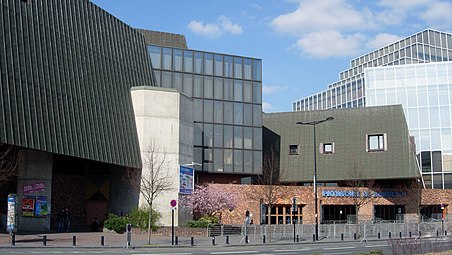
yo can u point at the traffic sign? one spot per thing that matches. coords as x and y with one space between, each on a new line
173 203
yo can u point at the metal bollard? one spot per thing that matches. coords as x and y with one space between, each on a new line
102 240
44 240
74 240
313 237
263 239
298 238
213 241
354 236
247 240
400 234
419 233
342 237
13 239
227 239
192 241
176 240
378 235
437 232
389 235
445 232
410 234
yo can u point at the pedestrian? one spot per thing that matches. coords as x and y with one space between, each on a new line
60 221
67 220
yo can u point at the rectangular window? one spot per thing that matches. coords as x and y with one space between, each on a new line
376 142
293 149
327 148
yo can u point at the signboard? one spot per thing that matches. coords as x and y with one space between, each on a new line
28 206
41 207
173 203
34 187
364 194
11 216
187 180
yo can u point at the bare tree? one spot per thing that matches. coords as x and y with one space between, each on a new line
153 179
10 157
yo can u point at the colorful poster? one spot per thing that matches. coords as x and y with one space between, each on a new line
34 187
41 208
186 180
28 206
11 216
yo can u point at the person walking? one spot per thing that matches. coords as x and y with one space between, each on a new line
60 221
67 220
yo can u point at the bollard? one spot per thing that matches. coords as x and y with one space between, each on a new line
102 240
298 238
445 232
227 239
192 241
263 239
437 232
213 241
313 237
378 235
44 240
419 233
410 234
389 235
354 236
176 240
342 237
13 239
74 240
247 240
400 234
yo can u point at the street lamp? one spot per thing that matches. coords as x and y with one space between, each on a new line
314 123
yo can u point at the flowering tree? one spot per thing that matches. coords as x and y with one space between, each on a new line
210 200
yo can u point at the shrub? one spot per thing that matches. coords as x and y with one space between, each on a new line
203 222
138 217
116 223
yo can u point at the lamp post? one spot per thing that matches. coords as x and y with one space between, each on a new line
315 123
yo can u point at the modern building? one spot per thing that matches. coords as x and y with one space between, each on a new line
227 94
420 87
67 68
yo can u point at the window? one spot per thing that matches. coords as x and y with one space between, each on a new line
376 142
327 148
293 149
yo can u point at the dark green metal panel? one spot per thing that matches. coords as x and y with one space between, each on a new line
67 67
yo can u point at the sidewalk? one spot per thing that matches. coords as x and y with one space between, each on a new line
113 240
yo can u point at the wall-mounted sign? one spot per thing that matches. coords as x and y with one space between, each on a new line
11 216
353 193
34 187
28 206
187 180
41 207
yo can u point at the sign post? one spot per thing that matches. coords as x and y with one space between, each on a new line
294 210
173 204
129 235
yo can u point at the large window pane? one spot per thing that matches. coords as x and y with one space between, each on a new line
228 161
218 160
238 137
257 92
247 92
257 138
248 138
208 159
238 161
188 85
257 162
238 91
155 54
208 135
257 70
257 115
208 111
228 63
238 113
228 136
177 81
188 61
166 80
197 86
218 65
158 75
247 114
208 63
198 62
247 68
166 59
238 68
248 161
218 136
177 60
198 135
198 113
208 87
228 113
228 90
218 88
218 112
197 155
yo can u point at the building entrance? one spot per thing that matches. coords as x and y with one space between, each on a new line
338 214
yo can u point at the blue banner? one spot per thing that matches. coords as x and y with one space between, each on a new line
186 180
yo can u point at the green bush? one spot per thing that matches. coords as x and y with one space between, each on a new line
376 252
116 223
138 217
203 222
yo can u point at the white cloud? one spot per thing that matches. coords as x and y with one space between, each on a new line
266 107
382 39
269 90
329 44
320 15
214 30
438 15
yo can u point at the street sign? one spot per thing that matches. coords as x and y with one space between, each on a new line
173 203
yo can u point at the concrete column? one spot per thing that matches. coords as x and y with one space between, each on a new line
34 179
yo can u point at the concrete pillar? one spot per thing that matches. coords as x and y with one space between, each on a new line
34 179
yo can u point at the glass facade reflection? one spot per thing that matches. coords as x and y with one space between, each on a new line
227 93
349 92
425 92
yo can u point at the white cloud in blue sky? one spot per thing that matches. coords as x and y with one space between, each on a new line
222 25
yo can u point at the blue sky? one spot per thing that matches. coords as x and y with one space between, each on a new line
303 44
